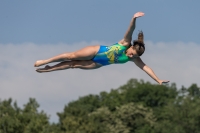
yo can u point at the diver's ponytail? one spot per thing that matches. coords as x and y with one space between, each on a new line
140 37
138 44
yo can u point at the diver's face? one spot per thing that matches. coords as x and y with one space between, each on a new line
131 52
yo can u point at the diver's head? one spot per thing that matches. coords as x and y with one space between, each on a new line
137 48
139 45
132 52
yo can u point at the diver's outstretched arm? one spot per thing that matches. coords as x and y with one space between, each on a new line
149 71
128 35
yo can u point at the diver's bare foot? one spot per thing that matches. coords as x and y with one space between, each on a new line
45 69
39 63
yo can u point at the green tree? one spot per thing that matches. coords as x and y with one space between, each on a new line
150 95
194 91
180 116
75 118
126 119
27 120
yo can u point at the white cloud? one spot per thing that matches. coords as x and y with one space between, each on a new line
175 61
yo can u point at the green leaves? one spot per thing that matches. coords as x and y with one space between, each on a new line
130 108
13 119
136 107
127 118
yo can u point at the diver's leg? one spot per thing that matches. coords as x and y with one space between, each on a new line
88 64
86 53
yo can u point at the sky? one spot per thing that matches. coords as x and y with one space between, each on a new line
34 30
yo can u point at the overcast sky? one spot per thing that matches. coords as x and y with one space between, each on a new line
33 30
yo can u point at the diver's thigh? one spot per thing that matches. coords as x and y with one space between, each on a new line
86 53
89 64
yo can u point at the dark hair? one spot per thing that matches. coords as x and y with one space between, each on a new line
139 45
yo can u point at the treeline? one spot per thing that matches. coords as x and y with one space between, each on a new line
136 107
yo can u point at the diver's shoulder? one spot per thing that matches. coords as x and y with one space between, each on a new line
124 43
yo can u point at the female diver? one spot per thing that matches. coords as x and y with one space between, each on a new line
93 57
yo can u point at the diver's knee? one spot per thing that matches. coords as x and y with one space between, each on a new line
71 56
74 64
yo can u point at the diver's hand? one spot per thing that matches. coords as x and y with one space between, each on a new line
163 82
138 14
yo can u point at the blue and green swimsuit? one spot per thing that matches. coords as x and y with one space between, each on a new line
114 54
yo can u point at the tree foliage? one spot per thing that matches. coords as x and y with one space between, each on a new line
136 107
13 119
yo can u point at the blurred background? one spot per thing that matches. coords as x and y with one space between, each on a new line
34 30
